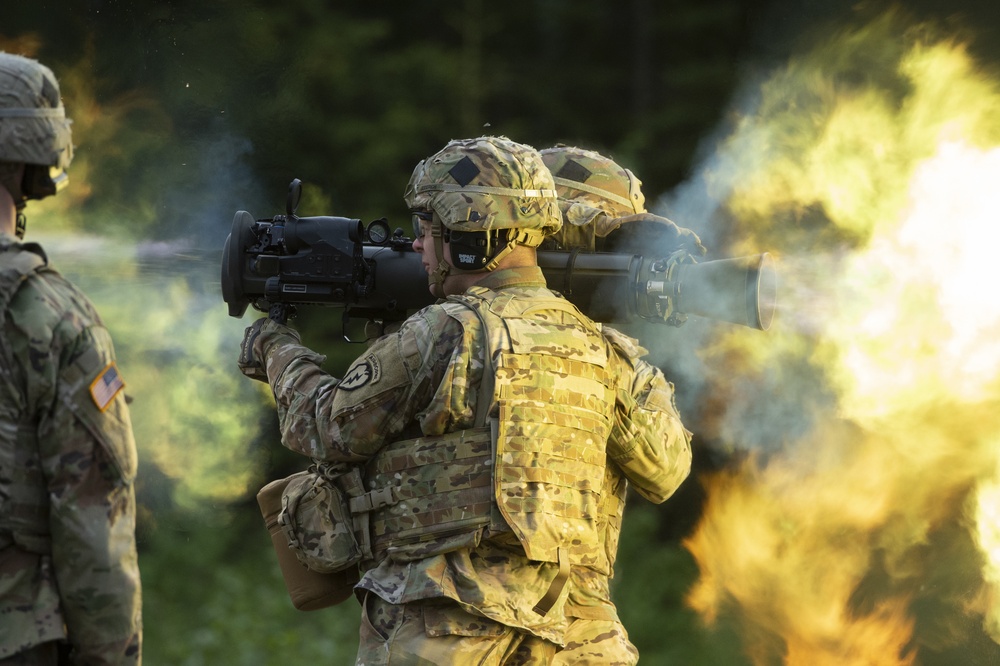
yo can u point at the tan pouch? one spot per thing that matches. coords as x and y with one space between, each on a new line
309 590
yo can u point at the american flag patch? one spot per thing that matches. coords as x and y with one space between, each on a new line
107 385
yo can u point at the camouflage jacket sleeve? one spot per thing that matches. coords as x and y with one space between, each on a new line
648 441
88 459
383 396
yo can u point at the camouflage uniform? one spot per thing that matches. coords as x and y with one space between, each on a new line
425 380
595 195
603 208
68 565
488 555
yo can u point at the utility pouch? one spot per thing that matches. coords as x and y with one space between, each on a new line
308 589
316 518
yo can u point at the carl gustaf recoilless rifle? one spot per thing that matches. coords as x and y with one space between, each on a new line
373 273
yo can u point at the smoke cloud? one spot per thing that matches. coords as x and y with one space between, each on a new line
861 525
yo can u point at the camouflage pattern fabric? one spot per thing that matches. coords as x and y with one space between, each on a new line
68 564
503 185
45 654
33 125
597 198
437 486
440 631
555 380
317 522
423 381
603 209
594 192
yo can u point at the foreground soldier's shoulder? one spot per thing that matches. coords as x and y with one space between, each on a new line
423 328
440 316
48 304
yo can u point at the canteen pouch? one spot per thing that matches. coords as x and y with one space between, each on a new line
308 589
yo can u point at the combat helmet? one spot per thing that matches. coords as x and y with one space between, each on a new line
34 131
486 195
594 192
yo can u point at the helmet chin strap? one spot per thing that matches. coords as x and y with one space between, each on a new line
437 276
526 237
10 180
21 223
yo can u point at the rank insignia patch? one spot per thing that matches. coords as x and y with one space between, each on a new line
107 385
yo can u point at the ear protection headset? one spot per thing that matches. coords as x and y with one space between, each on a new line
41 181
472 250
469 250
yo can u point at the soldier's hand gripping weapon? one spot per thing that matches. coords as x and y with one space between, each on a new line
373 273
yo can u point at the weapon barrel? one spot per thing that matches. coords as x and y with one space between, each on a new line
322 261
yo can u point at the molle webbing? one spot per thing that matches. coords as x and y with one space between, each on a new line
555 397
541 474
441 487
551 448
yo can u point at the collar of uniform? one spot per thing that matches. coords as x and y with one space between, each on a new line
521 276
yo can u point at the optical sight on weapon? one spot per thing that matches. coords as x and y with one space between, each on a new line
278 263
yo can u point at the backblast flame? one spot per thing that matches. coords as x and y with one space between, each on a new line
873 536
987 522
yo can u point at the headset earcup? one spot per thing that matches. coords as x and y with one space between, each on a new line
471 250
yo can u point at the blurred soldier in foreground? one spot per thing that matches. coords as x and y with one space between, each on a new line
69 576
483 428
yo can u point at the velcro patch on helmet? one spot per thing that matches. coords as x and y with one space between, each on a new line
464 171
575 171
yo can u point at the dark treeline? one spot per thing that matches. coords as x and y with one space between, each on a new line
348 96
223 102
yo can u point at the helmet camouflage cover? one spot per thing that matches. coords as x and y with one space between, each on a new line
33 124
594 193
486 183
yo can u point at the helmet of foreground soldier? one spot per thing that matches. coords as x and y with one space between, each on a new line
486 183
490 194
34 130
593 189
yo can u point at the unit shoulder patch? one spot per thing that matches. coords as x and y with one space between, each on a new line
366 371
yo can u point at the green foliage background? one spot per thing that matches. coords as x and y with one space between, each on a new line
186 111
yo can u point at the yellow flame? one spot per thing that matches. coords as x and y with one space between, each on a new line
819 551
987 523
105 132
922 317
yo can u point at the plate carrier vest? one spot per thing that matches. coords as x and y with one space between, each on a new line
535 462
